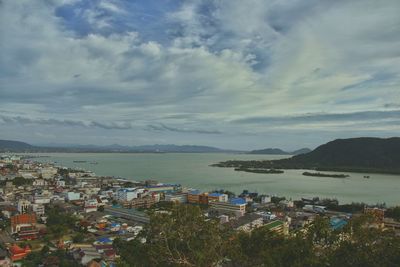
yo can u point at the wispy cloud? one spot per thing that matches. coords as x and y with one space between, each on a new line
162 127
166 71
65 123
320 117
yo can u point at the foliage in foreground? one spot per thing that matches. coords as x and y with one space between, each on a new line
184 237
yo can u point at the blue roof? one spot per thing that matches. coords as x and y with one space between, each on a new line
337 223
104 240
215 194
237 201
195 192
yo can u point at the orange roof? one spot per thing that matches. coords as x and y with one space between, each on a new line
23 219
18 253
15 249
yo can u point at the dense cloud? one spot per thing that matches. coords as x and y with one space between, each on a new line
240 74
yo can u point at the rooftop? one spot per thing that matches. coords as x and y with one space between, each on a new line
237 201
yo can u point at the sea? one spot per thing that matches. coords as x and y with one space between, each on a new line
193 170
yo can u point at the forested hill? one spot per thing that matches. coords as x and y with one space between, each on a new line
8 145
364 154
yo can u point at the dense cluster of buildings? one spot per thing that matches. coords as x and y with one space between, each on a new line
108 208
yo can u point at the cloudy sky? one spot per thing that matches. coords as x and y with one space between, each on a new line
227 73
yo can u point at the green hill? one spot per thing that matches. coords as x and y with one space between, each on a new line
14 146
364 154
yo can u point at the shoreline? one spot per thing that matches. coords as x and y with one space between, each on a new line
238 181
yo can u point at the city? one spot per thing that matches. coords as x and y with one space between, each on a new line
98 210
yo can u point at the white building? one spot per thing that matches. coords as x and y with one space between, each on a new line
266 199
178 198
38 209
286 203
70 196
127 194
90 205
48 172
40 182
23 206
41 199
60 183
28 174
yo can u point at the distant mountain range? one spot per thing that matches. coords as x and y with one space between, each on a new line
7 145
277 151
18 147
364 154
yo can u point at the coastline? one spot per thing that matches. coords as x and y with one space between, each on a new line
192 170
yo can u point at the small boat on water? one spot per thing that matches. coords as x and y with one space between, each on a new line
94 162
366 176
79 161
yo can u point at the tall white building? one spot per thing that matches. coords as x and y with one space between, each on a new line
23 206
38 209
127 194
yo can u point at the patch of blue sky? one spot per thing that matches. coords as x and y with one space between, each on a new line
148 18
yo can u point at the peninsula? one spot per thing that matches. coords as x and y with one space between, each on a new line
364 154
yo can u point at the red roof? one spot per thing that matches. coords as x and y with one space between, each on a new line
23 219
18 253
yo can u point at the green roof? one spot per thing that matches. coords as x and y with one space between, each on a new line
273 224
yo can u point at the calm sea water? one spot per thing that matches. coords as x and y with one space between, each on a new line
193 170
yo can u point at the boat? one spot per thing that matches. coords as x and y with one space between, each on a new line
79 161
366 176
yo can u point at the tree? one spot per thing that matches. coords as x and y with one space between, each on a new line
181 238
393 213
184 237
20 181
78 238
59 223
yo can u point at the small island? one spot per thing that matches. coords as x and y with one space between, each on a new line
267 171
330 175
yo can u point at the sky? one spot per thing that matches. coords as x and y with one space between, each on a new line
228 73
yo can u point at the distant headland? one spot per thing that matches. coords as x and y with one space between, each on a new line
364 154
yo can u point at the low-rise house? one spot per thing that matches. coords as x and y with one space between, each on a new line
40 182
17 253
286 204
85 255
177 198
265 199
28 174
278 226
90 205
8 211
48 172
218 197
4 259
60 183
41 199
71 196
38 209
248 222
